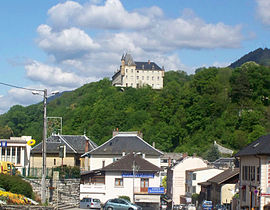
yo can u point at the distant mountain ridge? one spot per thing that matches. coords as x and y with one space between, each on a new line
260 56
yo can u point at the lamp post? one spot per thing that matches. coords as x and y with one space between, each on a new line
44 147
43 179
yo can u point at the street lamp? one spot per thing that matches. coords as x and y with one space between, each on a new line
43 179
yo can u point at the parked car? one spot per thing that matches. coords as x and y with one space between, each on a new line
119 203
191 207
163 204
90 203
220 207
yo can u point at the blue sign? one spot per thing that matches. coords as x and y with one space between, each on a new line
156 190
137 175
3 144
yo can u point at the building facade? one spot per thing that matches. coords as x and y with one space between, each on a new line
138 74
17 151
131 175
176 177
195 176
75 146
255 174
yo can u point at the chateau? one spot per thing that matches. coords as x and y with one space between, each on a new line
138 74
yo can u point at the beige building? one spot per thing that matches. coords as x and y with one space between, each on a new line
255 174
17 151
138 74
176 177
75 146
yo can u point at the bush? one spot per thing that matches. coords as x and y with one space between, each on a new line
16 184
124 197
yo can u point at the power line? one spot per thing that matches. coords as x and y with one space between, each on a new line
14 86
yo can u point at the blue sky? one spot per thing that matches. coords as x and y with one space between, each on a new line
61 45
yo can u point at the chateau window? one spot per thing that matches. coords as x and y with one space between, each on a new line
137 71
131 70
126 76
153 67
147 77
127 70
137 77
131 84
126 84
152 85
142 77
152 77
158 78
54 161
142 66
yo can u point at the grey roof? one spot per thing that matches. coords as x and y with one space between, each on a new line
147 66
128 59
172 155
126 164
74 144
127 143
259 147
223 150
224 176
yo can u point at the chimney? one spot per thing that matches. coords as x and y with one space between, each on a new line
169 162
185 154
148 61
115 132
154 144
140 134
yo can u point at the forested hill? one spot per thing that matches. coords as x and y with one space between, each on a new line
260 56
230 106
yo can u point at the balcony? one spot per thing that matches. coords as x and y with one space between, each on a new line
92 188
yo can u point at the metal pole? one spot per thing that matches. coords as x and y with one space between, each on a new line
133 167
43 179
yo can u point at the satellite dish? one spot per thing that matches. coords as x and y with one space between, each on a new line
31 142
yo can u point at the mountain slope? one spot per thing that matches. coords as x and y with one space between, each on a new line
260 56
188 114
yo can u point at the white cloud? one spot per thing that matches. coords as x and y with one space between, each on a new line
263 11
68 43
111 15
54 76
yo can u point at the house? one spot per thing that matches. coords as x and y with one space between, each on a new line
255 174
138 74
75 146
131 175
17 151
176 177
225 163
195 176
119 145
221 188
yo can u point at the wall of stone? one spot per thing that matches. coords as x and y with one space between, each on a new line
59 191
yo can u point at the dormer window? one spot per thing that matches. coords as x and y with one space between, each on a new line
153 67
142 66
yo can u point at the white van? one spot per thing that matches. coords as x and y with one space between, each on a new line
90 203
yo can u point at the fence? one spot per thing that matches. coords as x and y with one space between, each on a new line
66 172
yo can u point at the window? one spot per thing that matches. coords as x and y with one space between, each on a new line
153 67
54 161
193 189
258 174
118 182
142 66
152 77
142 77
126 76
147 77
126 84
18 155
127 70
158 78
137 71
131 70
244 193
137 85
137 77
131 84
152 85
193 176
103 163
252 173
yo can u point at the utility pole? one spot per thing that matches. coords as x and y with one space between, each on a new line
43 179
133 169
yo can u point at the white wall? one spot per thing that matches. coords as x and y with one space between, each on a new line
179 175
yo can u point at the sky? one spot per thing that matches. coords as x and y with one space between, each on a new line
62 45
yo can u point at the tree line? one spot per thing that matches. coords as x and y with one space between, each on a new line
230 106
